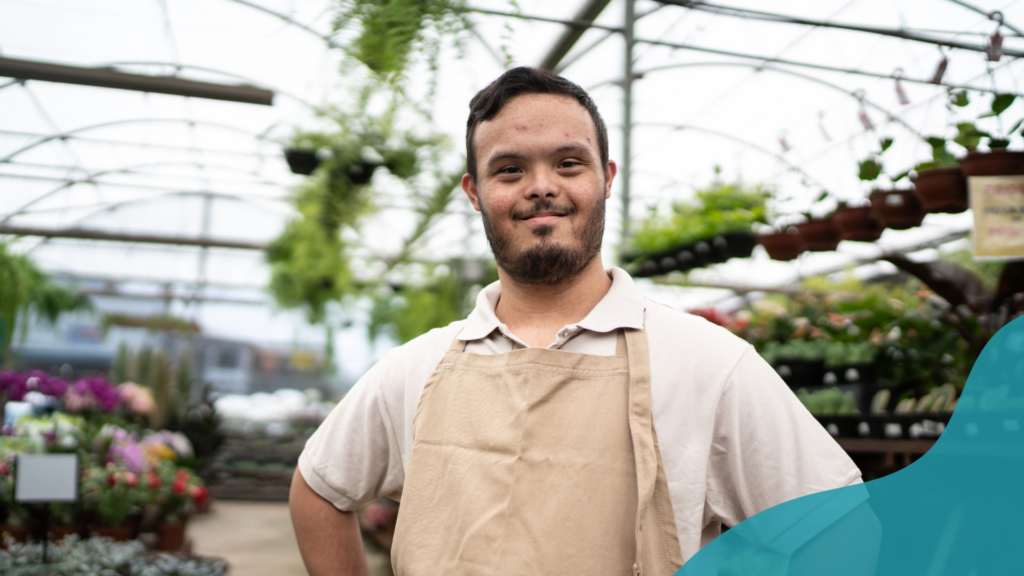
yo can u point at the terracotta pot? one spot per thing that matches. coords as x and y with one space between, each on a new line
203 506
857 224
819 235
57 533
170 536
896 209
19 532
782 245
122 533
941 190
998 162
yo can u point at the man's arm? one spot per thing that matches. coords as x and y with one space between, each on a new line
329 539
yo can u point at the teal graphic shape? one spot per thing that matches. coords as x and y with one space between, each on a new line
958 510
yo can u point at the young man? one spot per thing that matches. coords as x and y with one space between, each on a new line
569 425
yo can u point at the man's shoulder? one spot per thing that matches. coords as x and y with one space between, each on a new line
664 323
419 357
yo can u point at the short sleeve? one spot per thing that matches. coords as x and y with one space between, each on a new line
766 447
354 455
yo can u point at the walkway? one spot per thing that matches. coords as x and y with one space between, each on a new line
256 539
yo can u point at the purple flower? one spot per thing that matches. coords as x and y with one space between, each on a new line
128 453
14 383
103 391
45 384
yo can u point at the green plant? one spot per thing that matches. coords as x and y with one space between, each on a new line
795 350
968 134
112 493
102 557
828 402
840 353
871 167
718 209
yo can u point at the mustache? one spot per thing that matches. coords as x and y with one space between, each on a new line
543 206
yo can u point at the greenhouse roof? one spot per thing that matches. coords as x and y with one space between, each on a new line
792 100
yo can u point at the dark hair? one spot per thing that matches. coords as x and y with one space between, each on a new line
525 80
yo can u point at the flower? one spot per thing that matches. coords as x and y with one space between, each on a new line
200 493
153 481
102 391
111 479
131 479
14 383
178 486
137 398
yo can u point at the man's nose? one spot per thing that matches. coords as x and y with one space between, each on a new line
543 184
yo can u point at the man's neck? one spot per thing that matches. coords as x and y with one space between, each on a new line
536 313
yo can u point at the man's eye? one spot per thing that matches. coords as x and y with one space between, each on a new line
569 164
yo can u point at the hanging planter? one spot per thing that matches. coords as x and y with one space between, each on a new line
997 162
736 244
857 224
784 245
941 190
896 209
301 161
819 235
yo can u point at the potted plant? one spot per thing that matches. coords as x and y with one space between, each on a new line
800 363
112 494
14 517
819 234
301 161
850 363
939 184
65 520
898 209
177 493
784 244
998 161
856 223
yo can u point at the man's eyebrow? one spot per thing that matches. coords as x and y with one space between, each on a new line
509 155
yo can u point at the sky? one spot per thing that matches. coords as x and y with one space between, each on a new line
140 163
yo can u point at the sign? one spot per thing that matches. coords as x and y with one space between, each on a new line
998 205
46 478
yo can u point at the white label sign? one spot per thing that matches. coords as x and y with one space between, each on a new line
998 205
46 478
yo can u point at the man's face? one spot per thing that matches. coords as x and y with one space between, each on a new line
541 188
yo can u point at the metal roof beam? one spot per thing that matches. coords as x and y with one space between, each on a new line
83 234
587 14
110 78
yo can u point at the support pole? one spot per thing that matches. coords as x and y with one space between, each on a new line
627 120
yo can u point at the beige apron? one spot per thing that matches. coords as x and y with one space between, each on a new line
537 462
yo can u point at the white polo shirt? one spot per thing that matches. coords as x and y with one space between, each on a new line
734 439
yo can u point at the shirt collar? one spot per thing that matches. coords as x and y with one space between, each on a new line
621 307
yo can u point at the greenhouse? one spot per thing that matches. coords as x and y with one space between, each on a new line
234 233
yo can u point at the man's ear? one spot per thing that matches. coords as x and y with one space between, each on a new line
469 187
609 174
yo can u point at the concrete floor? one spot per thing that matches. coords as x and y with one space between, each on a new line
256 539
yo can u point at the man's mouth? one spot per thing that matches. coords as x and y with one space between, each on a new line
544 217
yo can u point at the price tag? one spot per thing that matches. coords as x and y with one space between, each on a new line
46 478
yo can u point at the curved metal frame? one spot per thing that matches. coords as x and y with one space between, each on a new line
792 167
88 178
825 83
64 135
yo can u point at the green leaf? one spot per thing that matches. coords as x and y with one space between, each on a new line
1001 102
900 176
869 170
936 142
1015 126
925 166
824 194
886 143
998 143
968 135
959 98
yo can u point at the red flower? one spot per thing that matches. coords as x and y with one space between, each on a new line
200 493
181 473
111 479
131 479
178 486
3 467
153 481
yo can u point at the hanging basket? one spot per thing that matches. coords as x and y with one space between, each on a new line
819 235
998 162
941 190
896 209
857 224
785 245
738 244
301 161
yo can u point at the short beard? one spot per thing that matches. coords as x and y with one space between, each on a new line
548 263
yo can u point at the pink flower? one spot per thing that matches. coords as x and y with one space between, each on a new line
137 398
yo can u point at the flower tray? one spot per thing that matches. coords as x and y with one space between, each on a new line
941 190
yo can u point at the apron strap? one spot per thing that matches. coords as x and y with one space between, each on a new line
620 343
641 429
458 345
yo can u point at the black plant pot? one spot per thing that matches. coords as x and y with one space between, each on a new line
301 161
840 426
801 373
362 173
740 244
851 374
